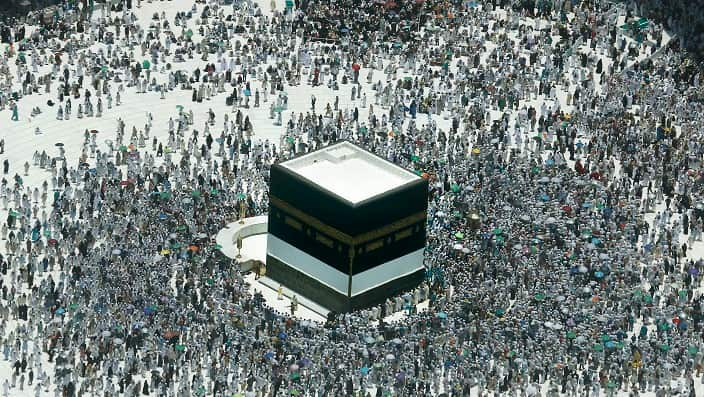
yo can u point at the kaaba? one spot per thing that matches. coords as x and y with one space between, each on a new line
346 228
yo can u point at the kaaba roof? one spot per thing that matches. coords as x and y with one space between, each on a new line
350 171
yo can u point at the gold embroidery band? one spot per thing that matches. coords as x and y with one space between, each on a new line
293 223
309 220
342 236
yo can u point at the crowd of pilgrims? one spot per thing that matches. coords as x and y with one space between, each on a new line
580 152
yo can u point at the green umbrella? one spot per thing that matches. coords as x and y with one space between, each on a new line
73 306
295 376
145 64
123 148
598 347
682 293
218 247
241 196
176 246
180 348
180 228
500 312
195 193
497 231
571 335
692 350
611 385
664 347
539 296
213 191
189 33
459 235
605 338
415 158
210 281
165 195
455 188
180 108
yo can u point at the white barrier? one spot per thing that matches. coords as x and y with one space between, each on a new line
227 238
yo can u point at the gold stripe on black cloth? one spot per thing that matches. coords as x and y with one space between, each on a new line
341 236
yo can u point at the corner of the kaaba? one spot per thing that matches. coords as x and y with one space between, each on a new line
20 8
392 288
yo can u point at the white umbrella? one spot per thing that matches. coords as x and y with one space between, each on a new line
550 220
390 357
106 334
294 367
458 246
396 341
465 250
118 341
531 391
